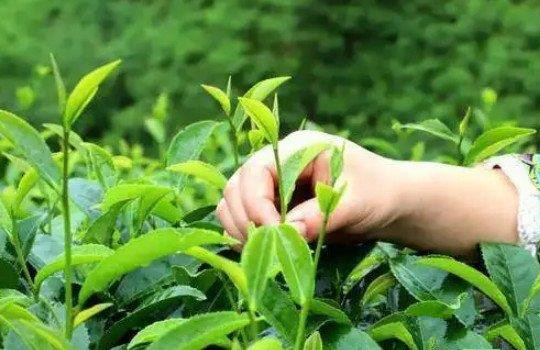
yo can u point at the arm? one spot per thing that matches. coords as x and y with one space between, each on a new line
427 206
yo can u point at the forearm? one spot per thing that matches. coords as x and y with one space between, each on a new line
451 209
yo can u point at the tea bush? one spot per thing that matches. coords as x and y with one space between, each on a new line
102 250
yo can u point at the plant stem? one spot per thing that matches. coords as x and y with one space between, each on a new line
16 242
300 335
253 325
282 206
234 142
67 235
461 156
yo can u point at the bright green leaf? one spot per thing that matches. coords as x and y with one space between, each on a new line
257 258
86 314
143 250
328 197
494 140
200 331
434 127
378 286
201 170
152 332
84 91
262 117
266 344
189 142
29 143
296 263
314 342
220 96
295 164
395 330
81 254
505 331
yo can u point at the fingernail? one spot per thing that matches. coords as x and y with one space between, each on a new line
300 227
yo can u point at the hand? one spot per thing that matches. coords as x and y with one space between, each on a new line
368 202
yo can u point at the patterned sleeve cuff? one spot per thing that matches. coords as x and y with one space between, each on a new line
517 169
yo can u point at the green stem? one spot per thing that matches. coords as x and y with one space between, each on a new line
300 335
282 205
461 156
67 235
234 142
16 242
253 325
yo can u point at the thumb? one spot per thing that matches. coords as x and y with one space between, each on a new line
307 218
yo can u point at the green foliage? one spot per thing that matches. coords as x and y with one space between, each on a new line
136 242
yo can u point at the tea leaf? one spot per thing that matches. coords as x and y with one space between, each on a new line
87 314
256 261
266 344
201 170
296 262
328 197
533 292
152 332
231 268
494 140
336 163
471 275
279 311
513 269
528 327
189 142
81 254
434 127
464 124
102 229
379 285
295 164
200 331
162 302
262 117
314 342
506 332
60 87
29 328
433 308
84 92
30 145
320 307
369 263
6 223
396 330
148 196
338 337
141 251
259 92
155 128
220 97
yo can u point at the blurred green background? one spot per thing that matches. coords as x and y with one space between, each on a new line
357 65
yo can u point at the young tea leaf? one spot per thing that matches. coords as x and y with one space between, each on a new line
29 143
369 263
314 342
262 117
87 314
494 140
505 331
189 142
201 170
81 254
295 164
378 286
471 275
200 331
321 307
152 332
59 82
220 96
336 163
395 330
143 250
259 92
296 263
84 91
434 127
257 258
328 197
266 344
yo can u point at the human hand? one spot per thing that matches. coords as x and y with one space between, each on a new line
369 201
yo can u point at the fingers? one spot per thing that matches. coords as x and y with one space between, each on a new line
224 215
258 183
307 219
233 197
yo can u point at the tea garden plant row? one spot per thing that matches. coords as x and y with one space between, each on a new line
97 252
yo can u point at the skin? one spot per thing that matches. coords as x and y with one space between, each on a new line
426 206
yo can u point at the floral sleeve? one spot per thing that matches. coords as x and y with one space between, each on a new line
524 173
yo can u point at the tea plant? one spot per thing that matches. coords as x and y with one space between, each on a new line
106 251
